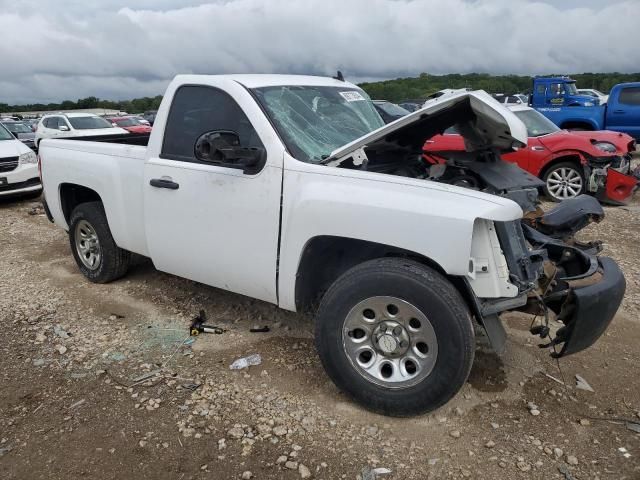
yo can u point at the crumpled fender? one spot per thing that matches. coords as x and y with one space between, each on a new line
431 219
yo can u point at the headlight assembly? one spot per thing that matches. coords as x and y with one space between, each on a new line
605 147
28 157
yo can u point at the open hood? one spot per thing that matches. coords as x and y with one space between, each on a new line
481 120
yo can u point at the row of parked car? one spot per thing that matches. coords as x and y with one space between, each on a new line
20 140
74 124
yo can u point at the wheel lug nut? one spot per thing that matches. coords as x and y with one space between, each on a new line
383 328
403 344
397 330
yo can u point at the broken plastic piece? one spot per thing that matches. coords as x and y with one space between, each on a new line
541 330
582 384
239 364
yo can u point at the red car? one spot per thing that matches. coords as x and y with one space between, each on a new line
569 162
130 124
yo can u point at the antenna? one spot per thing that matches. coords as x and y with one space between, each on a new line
339 76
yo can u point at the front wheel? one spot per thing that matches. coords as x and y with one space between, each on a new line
563 181
93 247
396 336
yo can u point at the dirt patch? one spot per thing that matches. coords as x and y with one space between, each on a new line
99 381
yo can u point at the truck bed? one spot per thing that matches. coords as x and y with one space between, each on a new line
141 139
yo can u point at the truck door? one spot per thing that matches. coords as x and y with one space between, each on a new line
623 112
204 221
555 94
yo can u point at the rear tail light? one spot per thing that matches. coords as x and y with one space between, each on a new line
40 167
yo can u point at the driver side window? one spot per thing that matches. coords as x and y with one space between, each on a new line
557 89
51 122
198 109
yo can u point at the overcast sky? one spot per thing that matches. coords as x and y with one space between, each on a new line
117 49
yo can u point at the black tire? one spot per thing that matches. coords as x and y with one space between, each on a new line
114 261
433 296
559 168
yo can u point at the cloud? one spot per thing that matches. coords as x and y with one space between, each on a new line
122 49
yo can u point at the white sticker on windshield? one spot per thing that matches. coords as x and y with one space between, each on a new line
352 96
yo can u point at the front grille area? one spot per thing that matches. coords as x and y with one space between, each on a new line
17 186
8 164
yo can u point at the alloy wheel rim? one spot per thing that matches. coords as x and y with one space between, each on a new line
564 182
88 245
389 342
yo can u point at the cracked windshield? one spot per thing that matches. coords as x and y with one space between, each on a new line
314 121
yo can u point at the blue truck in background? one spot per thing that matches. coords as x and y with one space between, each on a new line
557 99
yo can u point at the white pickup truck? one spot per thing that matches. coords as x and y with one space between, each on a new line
290 189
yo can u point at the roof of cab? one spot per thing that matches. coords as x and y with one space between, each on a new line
268 80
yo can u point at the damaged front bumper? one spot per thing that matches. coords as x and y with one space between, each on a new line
558 274
611 180
588 308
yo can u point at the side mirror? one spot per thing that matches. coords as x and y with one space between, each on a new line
63 128
222 147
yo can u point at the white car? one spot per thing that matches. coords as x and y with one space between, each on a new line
18 166
516 99
592 92
291 189
61 125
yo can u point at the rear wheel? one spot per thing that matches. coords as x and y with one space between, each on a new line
563 181
96 253
396 336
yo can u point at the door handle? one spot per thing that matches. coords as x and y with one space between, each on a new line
618 111
164 183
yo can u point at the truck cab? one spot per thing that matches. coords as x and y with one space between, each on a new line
559 91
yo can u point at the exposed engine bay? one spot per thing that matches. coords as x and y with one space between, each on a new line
556 275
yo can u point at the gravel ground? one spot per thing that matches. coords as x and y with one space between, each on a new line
99 381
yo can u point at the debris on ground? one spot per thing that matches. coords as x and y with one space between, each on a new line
4 451
533 409
144 377
198 326
564 470
625 453
77 404
556 380
582 384
61 332
36 209
634 427
257 329
369 473
240 363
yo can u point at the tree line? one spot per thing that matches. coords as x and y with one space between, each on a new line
137 105
395 90
424 85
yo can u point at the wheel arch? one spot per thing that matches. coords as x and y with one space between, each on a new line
72 195
563 157
324 258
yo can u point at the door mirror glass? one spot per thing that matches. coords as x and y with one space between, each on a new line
223 148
